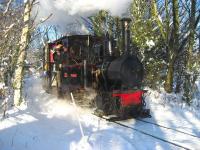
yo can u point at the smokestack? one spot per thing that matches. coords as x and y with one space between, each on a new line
108 45
126 34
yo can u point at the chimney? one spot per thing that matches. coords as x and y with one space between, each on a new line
126 34
108 45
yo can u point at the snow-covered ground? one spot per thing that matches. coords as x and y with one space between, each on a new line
46 123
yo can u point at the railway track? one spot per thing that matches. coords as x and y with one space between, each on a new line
149 134
168 128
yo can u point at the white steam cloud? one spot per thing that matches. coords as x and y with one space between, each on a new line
67 13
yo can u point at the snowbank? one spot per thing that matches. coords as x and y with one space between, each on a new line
45 123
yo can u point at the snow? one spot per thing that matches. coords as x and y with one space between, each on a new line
198 84
150 43
45 123
1 85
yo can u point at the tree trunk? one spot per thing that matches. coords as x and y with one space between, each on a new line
18 76
179 76
188 85
192 33
171 43
169 78
155 14
173 48
199 41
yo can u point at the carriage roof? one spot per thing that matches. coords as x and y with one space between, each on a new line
78 38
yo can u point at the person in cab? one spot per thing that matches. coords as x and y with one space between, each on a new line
57 56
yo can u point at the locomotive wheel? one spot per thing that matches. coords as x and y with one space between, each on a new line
123 113
59 93
104 103
59 85
107 108
99 102
47 83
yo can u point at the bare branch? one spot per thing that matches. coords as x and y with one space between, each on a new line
36 3
8 29
7 7
184 41
44 19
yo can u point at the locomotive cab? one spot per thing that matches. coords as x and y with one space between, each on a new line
71 70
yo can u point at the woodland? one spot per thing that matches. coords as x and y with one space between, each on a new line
165 35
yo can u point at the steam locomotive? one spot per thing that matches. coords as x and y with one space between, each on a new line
93 62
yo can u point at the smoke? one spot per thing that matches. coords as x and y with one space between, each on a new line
67 13
72 7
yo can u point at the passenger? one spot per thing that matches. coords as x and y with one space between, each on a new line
72 52
65 56
58 61
57 57
73 56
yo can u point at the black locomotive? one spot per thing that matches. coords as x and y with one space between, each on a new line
83 61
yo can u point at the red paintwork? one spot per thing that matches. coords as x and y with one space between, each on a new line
74 75
127 99
65 75
51 57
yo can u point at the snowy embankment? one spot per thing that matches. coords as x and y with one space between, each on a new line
46 123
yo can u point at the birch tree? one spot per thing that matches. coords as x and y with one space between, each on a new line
10 29
18 77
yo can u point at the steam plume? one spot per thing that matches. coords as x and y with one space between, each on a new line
66 12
